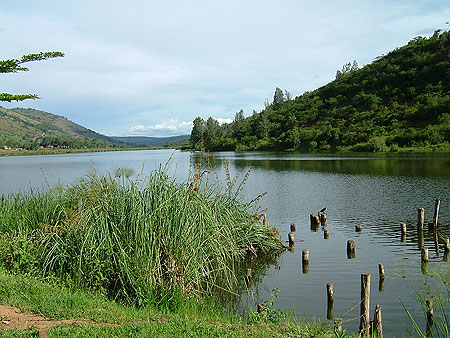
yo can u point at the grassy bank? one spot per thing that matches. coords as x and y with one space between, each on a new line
143 257
151 240
54 151
92 315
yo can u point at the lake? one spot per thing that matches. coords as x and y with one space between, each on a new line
377 191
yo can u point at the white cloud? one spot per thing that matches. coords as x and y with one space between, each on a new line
223 121
181 59
167 128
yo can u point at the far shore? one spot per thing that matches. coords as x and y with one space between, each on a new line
53 151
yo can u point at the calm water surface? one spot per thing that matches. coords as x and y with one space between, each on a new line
376 191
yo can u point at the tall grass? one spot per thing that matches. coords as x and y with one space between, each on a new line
137 241
436 288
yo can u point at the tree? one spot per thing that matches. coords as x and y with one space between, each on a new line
198 128
15 65
278 97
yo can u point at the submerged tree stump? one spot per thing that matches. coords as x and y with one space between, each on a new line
377 326
351 249
330 300
436 213
365 302
322 218
420 218
305 261
381 277
291 239
293 227
314 220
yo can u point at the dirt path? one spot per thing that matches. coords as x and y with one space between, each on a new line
12 318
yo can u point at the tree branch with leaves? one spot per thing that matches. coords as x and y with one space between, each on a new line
16 65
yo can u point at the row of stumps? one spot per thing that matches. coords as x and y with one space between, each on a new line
367 327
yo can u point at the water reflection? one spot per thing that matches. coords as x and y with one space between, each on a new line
421 165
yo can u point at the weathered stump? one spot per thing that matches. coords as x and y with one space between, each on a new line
377 325
305 261
381 277
291 239
330 300
436 213
293 227
420 218
365 302
351 249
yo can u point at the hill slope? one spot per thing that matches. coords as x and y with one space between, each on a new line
145 141
30 128
400 100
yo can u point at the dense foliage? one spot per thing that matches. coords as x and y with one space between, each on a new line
402 99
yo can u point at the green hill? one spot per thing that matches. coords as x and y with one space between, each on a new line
402 99
146 141
30 129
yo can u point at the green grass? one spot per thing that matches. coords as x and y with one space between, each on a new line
437 288
197 320
146 241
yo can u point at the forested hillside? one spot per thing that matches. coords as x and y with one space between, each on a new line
31 129
402 99
146 141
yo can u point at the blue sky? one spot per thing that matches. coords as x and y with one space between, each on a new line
148 68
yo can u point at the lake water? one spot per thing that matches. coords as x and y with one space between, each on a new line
377 191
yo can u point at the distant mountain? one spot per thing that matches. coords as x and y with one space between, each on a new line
144 141
31 128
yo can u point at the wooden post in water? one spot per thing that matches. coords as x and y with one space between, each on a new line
446 250
291 239
293 227
326 234
377 322
322 218
424 255
436 213
305 261
436 241
315 222
351 249
430 317
338 324
330 300
446 245
424 263
420 218
420 238
403 227
358 228
381 277
364 321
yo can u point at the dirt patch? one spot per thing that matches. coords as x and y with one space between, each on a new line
12 318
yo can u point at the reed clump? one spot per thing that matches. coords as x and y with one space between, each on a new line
139 241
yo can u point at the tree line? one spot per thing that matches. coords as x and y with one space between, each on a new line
401 99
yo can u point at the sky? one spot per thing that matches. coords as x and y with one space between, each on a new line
148 68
